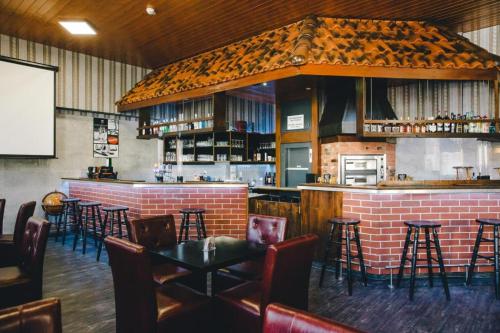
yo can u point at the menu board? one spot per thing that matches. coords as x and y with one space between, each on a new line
105 137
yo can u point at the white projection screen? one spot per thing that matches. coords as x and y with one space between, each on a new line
27 109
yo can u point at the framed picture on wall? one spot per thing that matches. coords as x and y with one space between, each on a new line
105 138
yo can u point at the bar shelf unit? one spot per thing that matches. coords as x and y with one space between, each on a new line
240 144
473 100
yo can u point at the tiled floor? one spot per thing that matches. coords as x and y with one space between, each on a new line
86 290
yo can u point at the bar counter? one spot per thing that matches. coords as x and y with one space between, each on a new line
383 210
226 204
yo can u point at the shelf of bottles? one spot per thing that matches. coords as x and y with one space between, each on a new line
432 108
189 116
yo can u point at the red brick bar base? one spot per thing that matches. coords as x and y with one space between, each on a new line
383 231
226 205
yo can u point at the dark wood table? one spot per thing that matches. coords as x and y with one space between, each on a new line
228 251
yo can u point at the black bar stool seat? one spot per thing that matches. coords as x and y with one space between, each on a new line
335 243
422 223
89 204
115 208
112 215
185 223
414 227
68 200
89 211
488 221
69 211
495 223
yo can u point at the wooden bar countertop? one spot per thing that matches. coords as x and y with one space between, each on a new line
141 183
422 186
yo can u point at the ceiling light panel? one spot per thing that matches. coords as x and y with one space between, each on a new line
78 27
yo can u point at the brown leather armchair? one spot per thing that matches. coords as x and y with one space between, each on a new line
283 319
23 282
142 306
39 316
2 211
10 244
285 280
158 233
262 229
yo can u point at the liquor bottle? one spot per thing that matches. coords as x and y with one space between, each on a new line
432 125
492 128
439 124
265 179
274 178
269 179
460 124
453 125
416 126
446 125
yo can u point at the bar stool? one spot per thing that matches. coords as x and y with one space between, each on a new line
185 223
335 242
415 226
109 216
89 211
495 223
69 211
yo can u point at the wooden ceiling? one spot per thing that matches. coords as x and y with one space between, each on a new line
185 28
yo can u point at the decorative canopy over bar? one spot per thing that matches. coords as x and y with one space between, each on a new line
319 46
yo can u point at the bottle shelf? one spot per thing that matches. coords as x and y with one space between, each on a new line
456 121
430 135
194 120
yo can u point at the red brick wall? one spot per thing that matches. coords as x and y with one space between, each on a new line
226 207
383 231
330 153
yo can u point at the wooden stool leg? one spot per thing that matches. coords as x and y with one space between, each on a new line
78 227
181 228
119 222
414 263
327 254
58 220
474 254
198 225
127 224
429 255
85 229
403 257
64 220
103 235
186 227
111 223
94 226
495 255
338 253
360 255
348 255
203 230
441 264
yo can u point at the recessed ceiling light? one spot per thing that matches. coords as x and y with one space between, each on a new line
308 88
264 84
78 27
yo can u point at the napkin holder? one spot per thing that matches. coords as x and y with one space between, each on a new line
209 244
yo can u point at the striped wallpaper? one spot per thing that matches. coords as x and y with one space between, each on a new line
426 98
83 81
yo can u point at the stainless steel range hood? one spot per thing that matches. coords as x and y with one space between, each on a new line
337 102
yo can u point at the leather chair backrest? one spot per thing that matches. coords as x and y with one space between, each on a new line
2 211
286 272
135 299
23 214
33 247
40 316
284 319
266 229
154 233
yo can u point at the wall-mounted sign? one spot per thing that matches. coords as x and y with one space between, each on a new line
295 122
105 137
